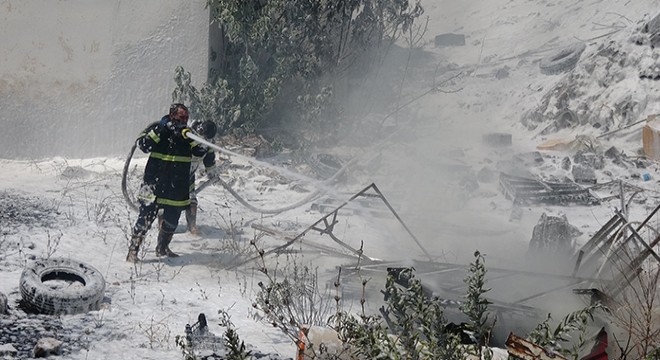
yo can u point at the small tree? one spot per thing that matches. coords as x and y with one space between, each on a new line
415 327
476 306
236 349
281 54
635 309
560 339
293 300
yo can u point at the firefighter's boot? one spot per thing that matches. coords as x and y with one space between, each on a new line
191 218
134 247
163 247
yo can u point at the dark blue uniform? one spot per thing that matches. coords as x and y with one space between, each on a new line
166 182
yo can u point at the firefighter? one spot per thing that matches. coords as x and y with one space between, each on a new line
166 183
207 129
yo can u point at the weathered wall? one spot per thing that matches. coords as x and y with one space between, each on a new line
83 77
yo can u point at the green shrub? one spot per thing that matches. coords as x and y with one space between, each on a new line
475 306
556 340
415 327
280 58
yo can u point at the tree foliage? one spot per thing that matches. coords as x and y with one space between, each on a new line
281 57
561 338
475 306
415 328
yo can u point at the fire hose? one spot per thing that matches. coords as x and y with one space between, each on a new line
130 201
124 179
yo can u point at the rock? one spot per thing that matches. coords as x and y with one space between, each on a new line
512 168
321 340
263 150
589 159
652 26
245 151
553 234
502 73
583 174
516 213
449 39
641 164
614 154
326 166
75 172
566 163
531 119
485 175
8 350
497 139
469 183
47 346
529 159
653 29
249 145
4 310
455 153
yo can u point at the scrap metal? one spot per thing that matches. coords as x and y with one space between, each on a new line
367 206
326 224
523 190
611 248
288 237
601 244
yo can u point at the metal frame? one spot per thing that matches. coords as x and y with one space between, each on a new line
522 190
602 244
325 226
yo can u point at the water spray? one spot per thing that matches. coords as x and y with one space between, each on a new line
282 171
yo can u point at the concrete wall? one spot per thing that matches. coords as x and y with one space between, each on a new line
82 77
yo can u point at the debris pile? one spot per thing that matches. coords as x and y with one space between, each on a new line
527 191
23 331
17 210
609 67
553 235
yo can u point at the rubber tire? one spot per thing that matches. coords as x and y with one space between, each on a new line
563 60
46 300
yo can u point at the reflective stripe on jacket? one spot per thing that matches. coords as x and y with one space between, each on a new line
168 167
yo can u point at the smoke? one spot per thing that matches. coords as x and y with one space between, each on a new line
425 114
431 163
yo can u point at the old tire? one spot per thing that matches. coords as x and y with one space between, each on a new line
562 60
39 280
